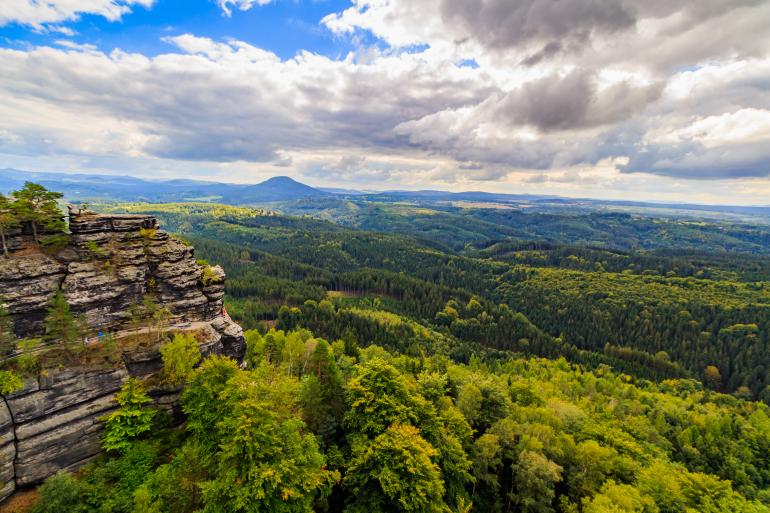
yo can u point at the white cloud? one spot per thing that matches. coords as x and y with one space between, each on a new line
744 126
39 13
243 5
623 91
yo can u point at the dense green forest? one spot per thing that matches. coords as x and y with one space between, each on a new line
658 313
316 426
388 371
455 226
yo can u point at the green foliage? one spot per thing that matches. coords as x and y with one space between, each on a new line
160 318
378 397
261 456
28 363
132 420
10 382
61 492
7 337
8 221
179 356
534 478
60 325
95 249
209 276
619 498
395 473
548 437
36 205
430 398
323 394
201 399
148 233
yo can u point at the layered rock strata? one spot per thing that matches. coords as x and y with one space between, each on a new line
110 265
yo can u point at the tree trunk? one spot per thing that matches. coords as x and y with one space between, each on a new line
5 244
34 233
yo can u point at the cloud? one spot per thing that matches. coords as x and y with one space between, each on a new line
574 101
667 88
221 101
656 33
38 14
243 5
545 23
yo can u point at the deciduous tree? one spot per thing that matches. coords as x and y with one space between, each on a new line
395 473
179 356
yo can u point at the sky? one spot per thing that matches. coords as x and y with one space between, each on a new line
615 99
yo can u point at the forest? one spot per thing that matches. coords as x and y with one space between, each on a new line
386 371
658 312
311 425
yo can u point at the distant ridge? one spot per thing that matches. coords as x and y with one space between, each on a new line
84 187
95 187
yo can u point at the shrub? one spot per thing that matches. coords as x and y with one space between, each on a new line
10 382
95 249
209 276
59 493
179 358
148 233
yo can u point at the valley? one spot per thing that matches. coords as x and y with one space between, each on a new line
550 360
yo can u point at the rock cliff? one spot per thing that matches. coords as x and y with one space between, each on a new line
109 266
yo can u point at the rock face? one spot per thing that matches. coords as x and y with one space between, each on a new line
111 263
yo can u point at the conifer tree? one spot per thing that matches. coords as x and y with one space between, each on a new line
37 206
131 420
323 395
60 325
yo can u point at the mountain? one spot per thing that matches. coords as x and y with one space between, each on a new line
278 188
89 188
84 187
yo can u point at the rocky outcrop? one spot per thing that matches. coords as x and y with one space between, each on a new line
111 263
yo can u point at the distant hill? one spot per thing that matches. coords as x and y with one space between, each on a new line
84 187
281 189
278 188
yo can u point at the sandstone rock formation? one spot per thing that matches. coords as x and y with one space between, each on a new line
111 263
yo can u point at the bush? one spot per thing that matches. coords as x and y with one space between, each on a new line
209 276
95 249
180 356
10 382
59 493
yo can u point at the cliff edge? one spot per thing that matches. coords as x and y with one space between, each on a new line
107 268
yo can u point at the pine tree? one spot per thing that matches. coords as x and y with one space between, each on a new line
323 394
60 325
8 221
131 420
37 206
